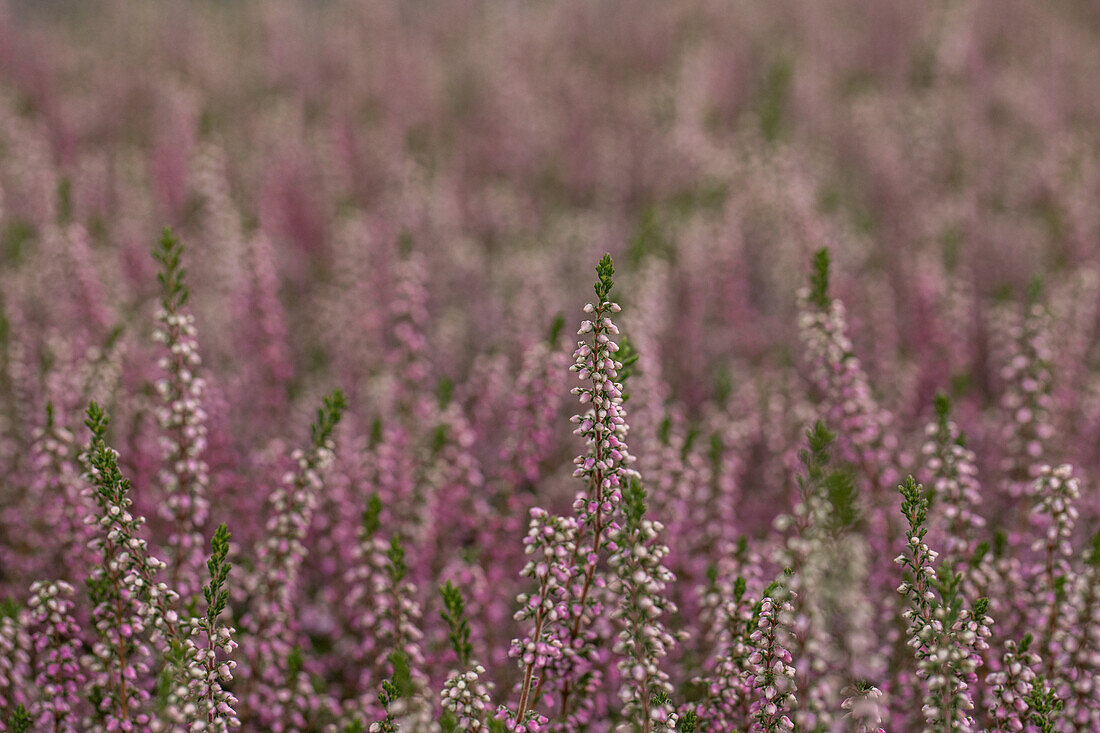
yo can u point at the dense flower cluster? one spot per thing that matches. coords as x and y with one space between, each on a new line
836 244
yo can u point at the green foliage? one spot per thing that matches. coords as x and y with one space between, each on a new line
64 200
9 608
168 253
649 239
688 722
396 567
445 391
949 585
439 439
371 515
841 492
1035 289
837 486
556 327
715 450
605 269
1092 556
1045 706
20 720
215 591
914 505
454 615
14 238
294 664
633 503
328 417
979 554
943 408
398 686
628 357
354 726
110 484
773 103
664 430
97 422
819 279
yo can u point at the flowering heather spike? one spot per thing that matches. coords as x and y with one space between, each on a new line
269 625
639 584
128 601
771 672
831 560
53 517
551 541
955 490
865 708
1027 398
837 374
605 468
1079 642
947 640
465 697
209 646
1010 687
1055 493
58 672
182 419
728 607
15 663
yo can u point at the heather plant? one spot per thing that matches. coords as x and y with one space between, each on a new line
836 245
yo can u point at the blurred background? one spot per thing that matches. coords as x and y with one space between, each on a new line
407 199
932 145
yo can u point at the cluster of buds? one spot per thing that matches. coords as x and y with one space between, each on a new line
771 671
14 661
1055 493
866 707
1027 397
1080 642
55 638
367 604
605 466
1010 687
954 485
639 585
551 545
465 696
183 422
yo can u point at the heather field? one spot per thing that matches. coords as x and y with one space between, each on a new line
549 365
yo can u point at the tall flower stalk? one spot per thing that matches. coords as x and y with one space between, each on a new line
182 419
